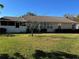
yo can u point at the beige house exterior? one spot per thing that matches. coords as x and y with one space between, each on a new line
35 23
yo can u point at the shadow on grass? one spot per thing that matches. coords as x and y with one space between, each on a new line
42 55
8 35
53 55
15 56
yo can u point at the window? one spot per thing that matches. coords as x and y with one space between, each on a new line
17 25
10 23
3 23
49 26
73 26
7 23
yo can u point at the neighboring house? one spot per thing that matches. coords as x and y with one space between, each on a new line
74 19
35 23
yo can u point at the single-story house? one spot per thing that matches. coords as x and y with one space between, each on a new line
35 23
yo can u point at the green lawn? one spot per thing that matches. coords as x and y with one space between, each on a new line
26 44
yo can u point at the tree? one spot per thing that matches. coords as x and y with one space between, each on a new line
77 17
1 6
32 26
30 14
71 17
68 15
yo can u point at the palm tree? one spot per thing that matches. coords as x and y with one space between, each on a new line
1 6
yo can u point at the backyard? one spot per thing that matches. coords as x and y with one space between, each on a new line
26 44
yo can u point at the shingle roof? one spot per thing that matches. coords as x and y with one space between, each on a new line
48 19
41 19
6 18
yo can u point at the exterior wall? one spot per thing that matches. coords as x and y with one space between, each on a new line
63 26
66 26
49 26
54 26
13 29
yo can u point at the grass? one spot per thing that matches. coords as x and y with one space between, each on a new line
26 44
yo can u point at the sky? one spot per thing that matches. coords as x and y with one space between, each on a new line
39 7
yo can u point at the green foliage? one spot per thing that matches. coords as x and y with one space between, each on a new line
31 14
77 17
1 6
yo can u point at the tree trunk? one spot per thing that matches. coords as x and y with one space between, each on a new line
32 32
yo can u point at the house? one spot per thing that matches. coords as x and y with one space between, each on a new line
35 23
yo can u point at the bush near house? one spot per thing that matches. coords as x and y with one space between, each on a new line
67 31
